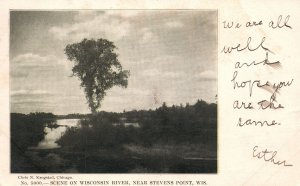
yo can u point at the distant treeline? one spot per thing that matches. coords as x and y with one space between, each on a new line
35 115
201 108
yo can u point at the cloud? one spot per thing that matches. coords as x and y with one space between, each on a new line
207 75
35 60
29 92
136 91
92 25
151 72
147 36
59 32
167 60
172 74
130 98
123 13
30 59
34 67
158 74
86 14
174 24
169 63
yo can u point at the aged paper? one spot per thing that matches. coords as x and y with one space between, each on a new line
197 93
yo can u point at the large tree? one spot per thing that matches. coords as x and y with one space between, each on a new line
96 64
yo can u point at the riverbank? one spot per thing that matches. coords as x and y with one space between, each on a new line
127 159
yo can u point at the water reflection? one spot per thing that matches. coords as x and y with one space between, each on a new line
52 134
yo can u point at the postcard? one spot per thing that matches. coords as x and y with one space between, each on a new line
149 93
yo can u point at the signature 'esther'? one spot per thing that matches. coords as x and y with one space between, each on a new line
269 156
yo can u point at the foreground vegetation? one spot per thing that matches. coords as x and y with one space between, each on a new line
26 131
168 139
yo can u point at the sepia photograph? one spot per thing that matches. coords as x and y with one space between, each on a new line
113 91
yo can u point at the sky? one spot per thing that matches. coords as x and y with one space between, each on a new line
171 56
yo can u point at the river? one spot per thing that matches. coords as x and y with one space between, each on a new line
52 134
